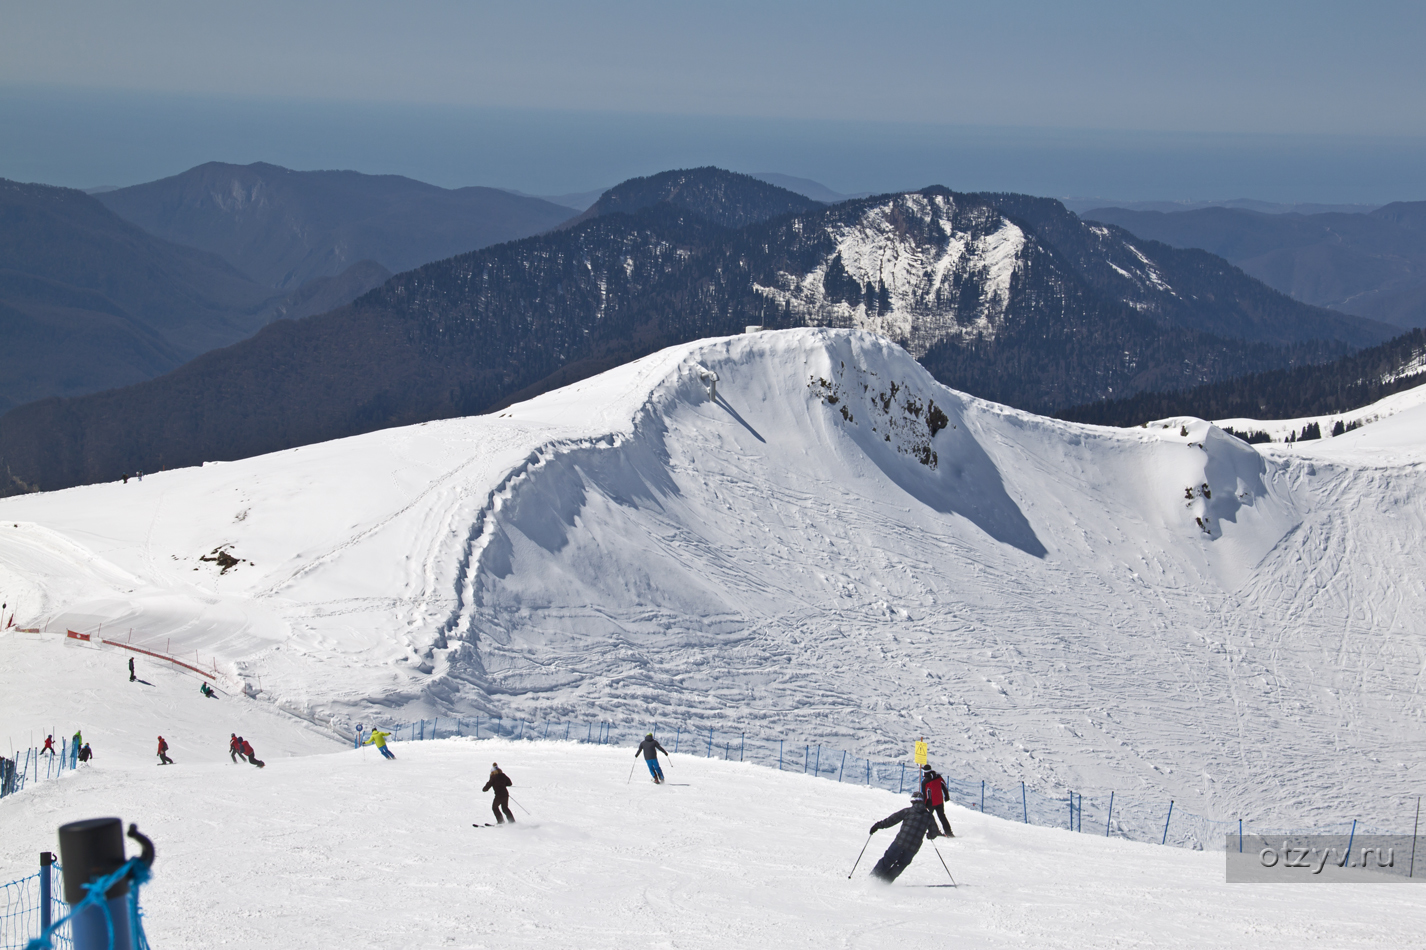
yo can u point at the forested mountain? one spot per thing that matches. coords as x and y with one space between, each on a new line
1311 390
90 302
722 197
968 283
284 228
1372 265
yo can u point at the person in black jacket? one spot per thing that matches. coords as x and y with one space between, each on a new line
917 825
650 750
501 783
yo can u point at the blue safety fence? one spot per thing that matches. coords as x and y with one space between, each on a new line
21 910
33 765
1103 813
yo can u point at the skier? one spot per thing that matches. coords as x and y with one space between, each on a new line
936 790
378 739
207 690
85 753
501 783
650 749
77 741
248 751
917 824
49 746
163 758
132 675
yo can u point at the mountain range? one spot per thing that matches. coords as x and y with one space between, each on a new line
1008 297
284 228
1372 265
103 291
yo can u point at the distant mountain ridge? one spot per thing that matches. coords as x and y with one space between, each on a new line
90 302
1371 265
1007 297
283 227
725 198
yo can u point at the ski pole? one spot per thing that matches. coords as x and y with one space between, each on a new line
631 772
859 858
943 864
527 811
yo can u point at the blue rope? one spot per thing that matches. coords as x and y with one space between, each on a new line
138 873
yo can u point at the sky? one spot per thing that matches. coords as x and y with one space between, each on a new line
1305 101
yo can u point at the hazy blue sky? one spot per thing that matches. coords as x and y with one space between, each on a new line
1288 101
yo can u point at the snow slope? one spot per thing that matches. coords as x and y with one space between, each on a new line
836 548
342 849
1361 445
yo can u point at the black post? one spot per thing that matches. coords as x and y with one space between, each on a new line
46 912
1414 828
90 849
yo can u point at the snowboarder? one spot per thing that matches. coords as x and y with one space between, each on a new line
650 750
235 747
49 746
501 783
132 675
936 790
85 753
207 690
917 825
163 758
248 751
378 739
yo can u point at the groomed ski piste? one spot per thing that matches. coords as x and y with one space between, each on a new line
330 846
793 534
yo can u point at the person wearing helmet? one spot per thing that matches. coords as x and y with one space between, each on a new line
378 739
936 790
917 825
501 783
650 749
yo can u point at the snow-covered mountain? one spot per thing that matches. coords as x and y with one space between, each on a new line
802 533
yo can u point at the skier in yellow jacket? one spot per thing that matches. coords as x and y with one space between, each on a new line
378 738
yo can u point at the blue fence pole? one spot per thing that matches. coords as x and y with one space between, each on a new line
46 906
806 757
868 773
742 745
710 742
779 755
1240 836
1166 823
844 765
1023 806
1350 839
1110 817
1071 811
676 736
901 782
982 796
817 767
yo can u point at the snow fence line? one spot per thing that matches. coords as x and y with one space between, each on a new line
1107 814
30 904
27 767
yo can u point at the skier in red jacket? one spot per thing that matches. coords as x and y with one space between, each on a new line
49 746
163 758
934 787
247 750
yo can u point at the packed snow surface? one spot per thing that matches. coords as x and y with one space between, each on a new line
835 548
335 847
